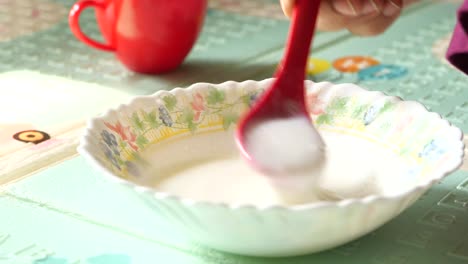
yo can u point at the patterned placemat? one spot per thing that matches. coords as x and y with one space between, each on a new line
105 224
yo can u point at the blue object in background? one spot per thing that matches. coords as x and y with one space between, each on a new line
382 72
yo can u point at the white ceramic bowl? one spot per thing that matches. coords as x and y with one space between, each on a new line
114 140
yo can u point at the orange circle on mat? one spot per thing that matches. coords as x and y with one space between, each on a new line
354 63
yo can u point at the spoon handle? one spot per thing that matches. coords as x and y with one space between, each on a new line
293 66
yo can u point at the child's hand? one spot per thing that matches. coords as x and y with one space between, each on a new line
361 17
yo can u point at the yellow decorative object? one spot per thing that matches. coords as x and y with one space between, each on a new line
317 66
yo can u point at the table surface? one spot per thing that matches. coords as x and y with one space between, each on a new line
55 209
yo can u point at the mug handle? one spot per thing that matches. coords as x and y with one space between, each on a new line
73 20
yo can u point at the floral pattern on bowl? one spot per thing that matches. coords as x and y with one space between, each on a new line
401 126
207 107
121 141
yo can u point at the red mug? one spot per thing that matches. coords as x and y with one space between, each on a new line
147 36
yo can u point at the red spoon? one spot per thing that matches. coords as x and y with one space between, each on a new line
284 100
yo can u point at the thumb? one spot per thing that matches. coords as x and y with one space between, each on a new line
287 6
